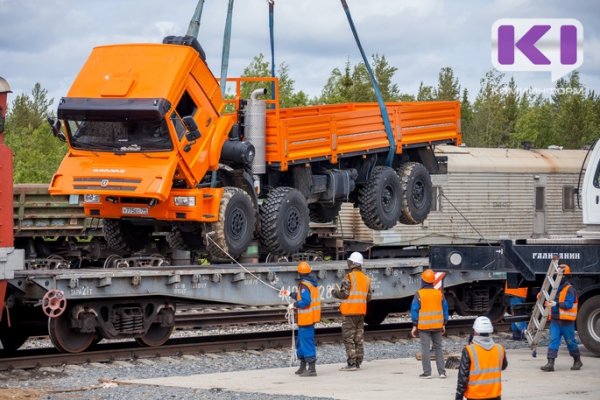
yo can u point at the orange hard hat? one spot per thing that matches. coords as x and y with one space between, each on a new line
428 276
304 268
566 268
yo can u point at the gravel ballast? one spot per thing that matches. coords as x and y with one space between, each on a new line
96 380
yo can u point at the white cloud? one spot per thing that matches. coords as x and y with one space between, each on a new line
47 42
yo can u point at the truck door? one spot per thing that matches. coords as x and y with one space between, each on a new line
591 189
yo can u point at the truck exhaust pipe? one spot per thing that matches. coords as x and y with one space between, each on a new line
256 111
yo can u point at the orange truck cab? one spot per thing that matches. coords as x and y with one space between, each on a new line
154 147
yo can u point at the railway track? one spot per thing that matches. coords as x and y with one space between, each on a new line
121 351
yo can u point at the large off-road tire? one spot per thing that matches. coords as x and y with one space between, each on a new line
284 221
124 236
588 324
416 192
232 233
179 240
323 213
379 200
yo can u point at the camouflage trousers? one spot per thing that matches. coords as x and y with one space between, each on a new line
353 331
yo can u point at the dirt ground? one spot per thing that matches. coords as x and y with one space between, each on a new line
16 393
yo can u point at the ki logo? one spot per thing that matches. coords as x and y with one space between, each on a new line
537 44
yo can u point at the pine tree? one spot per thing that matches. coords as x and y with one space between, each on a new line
448 87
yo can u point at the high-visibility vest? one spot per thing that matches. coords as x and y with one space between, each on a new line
485 372
517 292
571 313
311 314
431 313
356 303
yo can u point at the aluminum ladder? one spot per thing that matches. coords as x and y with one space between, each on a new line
539 315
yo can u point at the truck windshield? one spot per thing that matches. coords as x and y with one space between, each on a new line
121 137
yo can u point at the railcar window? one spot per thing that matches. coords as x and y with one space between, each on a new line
540 194
568 198
436 201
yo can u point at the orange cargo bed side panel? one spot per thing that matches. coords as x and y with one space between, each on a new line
326 132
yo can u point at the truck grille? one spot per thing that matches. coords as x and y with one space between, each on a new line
122 184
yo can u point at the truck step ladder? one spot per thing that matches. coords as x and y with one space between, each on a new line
539 315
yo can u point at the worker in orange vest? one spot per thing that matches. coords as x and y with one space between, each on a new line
481 365
429 313
355 292
562 322
308 307
515 297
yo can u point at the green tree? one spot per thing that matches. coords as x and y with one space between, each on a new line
448 87
489 120
425 93
260 68
466 113
573 126
354 84
37 153
510 111
29 111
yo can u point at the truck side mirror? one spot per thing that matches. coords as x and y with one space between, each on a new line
55 126
192 128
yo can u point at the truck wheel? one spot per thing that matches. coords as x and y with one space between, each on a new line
284 221
379 200
232 234
124 236
179 240
588 324
323 213
416 193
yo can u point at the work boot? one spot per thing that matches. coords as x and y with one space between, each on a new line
348 367
549 367
577 364
302 368
311 371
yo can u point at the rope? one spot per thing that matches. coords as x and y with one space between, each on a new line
289 314
382 108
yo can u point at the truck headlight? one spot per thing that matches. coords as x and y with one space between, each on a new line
91 198
185 201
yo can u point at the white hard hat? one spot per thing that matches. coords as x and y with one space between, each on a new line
483 325
356 258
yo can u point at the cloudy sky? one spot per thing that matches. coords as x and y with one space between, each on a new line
48 41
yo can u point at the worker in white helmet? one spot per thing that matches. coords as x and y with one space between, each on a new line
354 292
481 365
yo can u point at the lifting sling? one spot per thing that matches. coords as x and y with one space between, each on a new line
272 41
226 43
382 108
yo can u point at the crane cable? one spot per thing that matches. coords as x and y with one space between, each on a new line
382 107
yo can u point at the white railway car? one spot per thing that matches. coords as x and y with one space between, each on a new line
487 195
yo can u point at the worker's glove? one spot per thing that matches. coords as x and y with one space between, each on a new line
291 306
293 294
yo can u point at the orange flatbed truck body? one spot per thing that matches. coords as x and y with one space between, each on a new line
166 73
329 132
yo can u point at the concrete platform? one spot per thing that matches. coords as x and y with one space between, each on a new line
394 379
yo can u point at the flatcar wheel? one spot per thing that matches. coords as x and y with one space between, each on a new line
156 336
67 339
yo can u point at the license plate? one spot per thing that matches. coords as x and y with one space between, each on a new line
135 211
